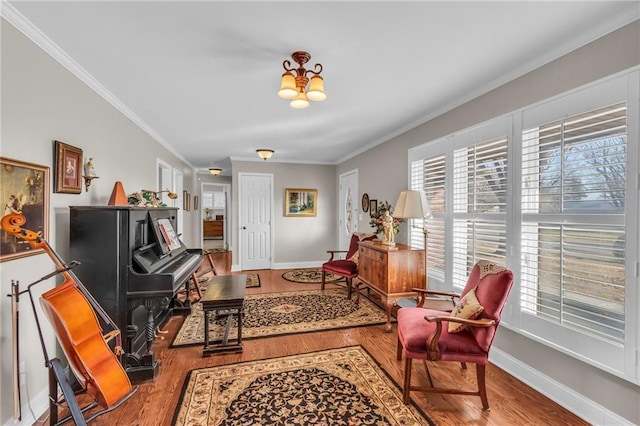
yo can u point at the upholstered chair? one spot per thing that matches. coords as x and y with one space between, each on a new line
347 267
464 335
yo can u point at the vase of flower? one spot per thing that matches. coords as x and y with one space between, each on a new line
377 219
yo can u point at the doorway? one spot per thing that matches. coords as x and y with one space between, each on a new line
215 214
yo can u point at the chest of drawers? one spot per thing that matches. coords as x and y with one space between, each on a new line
390 271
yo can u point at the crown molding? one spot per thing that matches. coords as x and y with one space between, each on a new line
22 24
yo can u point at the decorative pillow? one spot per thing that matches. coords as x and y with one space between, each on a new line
467 307
355 257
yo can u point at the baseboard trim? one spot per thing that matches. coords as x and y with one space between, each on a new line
39 405
573 401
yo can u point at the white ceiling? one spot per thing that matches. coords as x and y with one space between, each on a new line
201 77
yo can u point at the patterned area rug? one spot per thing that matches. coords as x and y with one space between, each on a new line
342 386
309 276
271 314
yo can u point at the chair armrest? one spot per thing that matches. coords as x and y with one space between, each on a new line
423 294
432 341
333 252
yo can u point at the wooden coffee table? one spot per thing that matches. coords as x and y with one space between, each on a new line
224 297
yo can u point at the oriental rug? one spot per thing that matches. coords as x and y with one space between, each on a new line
344 386
291 312
310 276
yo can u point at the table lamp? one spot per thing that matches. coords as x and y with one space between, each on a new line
414 205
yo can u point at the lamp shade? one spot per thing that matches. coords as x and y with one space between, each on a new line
316 89
300 101
288 89
412 205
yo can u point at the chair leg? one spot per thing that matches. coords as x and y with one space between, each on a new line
426 369
348 288
407 380
482 389
399 350
324 276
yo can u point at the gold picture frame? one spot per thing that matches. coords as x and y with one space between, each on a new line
186 200
68 164
300 202
24 187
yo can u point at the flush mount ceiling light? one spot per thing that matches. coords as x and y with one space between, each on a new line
265 154
215 170
295 87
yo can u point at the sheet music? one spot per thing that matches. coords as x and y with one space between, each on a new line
169 234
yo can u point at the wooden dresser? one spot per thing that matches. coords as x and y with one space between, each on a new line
390 271
212 228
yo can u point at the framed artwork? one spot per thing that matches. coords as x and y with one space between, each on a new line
365 202
68 164
300 202
196 202
186 200
373 207
24 187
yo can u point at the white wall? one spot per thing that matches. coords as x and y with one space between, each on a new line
42 102
585 389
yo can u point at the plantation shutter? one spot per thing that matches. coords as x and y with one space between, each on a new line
429 175
479 206
574 178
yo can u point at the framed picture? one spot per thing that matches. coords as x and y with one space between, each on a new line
24 187
68 164
196 202
365 202
300 202
186 200
373 207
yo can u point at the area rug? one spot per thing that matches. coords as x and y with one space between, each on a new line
271 314
342 386
310 276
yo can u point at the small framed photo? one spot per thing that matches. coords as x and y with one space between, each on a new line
300 202
373 207
24 188
68 164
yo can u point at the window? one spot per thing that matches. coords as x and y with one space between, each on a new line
552 192
573 228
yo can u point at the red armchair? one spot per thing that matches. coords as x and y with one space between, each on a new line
347 267
464 335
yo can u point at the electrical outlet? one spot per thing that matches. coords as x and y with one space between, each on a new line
23 367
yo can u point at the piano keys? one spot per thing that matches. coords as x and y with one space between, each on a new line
133 273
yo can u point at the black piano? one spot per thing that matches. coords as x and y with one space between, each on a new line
133 264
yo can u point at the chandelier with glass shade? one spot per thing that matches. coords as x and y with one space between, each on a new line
294 81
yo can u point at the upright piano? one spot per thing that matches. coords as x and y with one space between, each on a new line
133 264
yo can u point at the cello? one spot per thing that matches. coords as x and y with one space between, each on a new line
71 310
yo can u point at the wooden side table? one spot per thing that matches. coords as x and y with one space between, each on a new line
390 271
224 296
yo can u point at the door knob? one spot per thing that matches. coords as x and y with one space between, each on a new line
244 227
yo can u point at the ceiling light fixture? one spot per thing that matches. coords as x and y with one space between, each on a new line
215 170
294 87
265 154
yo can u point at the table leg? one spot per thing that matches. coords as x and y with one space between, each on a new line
388 305
206 328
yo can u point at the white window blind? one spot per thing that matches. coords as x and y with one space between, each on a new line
479 206
574 179
429 175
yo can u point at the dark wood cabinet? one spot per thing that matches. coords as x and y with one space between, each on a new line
390 271
213 228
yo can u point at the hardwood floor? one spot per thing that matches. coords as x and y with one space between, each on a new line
512 402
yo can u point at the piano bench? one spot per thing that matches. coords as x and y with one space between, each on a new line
224 297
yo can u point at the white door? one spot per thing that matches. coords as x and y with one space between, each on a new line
255 205
348 213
